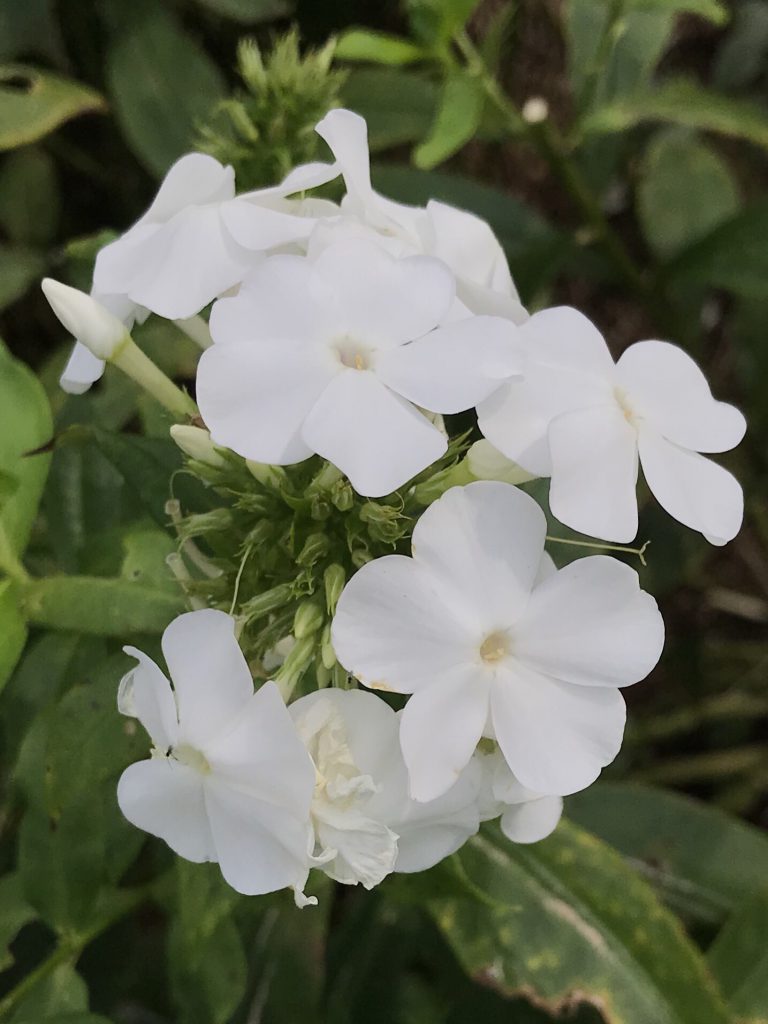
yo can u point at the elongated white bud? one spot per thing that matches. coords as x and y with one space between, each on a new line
197 444
85 318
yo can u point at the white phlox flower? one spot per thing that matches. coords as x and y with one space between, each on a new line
338 355
365 823
229 780
485 645
526 816
460 239
586 422
198 240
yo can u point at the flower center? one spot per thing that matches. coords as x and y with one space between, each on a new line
623 402
494 647
353 354
192 758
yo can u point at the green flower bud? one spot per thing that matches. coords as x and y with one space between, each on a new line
327 653
334 579
267 602
315 547
308 619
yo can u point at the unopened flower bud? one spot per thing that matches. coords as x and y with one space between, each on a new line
197 444
85 318
267 602
315 548
487 463
342 496
334 579
327 653
269 476
307 620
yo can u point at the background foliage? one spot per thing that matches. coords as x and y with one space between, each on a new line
618 148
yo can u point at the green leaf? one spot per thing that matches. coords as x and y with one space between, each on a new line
34 103
64 1018
162 84
146 550
437 21
663 835
99 606
20 268
682 102
13 630
28 27
145 463
684 191
25 425
249 12
56 999
566 921
739 960
741 58
29 197
398 105
458 116
713 10
534 249
377 47
15 912
734 256
208 970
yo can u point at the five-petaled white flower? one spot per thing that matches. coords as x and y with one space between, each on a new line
365 823
486 648
583 420
334 355
229 780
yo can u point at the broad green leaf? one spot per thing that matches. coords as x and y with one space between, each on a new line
146 549
437 21
20 268
742 57
34 103
145 463
61 997
249 12
715 11
534 249
397 104
663 835
99 606
28 27
13 630
29 197
684 191
25 425
377 47
208 970
162 85
734 256
682 102
568 922
15 912
459 111
739 960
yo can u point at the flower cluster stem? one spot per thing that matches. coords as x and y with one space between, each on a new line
135 364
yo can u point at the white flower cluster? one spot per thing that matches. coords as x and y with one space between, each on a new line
346 331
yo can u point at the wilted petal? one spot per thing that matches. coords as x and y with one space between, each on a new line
591 624
694 490
165 798
555 737
594 473
375 437
665 387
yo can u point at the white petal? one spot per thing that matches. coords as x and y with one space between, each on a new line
487 463
165 798
555 736
254 396
376 438
594 473
258 227
394 597
187 263
366 850
590 623
482 545
564 339
694 490
532 821
347 136
261 847
468 245
455 367
193 180
266 307
440 728
209 673
82 370
151 700
379 299
665 387
547 568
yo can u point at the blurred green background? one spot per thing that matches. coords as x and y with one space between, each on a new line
618 149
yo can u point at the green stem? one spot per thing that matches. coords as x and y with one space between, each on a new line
598 545
135 364
69 950
9 561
